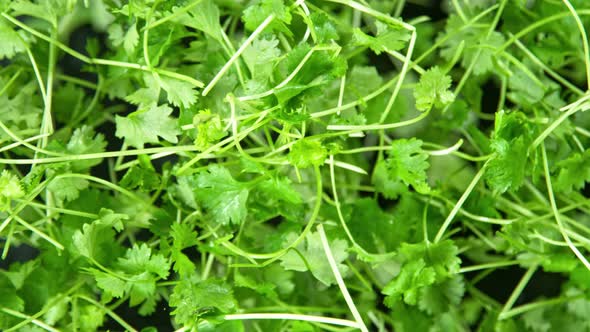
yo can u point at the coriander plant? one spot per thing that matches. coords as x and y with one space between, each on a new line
307 165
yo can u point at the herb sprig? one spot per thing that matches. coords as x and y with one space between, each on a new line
273 165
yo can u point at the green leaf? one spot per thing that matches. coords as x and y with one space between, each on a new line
315 258
146 125
260 57
112 285
387 39
510 143
258 10
204 16
414 276
406 165
306 152
183 236
574 172
67 189
210 129
85 141
129 39
91 317
433 90
84 241
188 298
109 218
179 93
140 259
323 27
441 297
223 196
18 272
10 189
374 229
485 52
142 176
12 42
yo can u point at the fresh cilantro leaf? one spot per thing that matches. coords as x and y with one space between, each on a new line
306 153
439 298
140 259
259 10
179 93
84 240
510 143
109 218
260 56
129 38
414 276
210 129
146 125
441 256
425 264
188 298
406 165
223 196
204 16
67 188
374 229
183 235
311 257
10 189
387 39
524 90
150 94
110 284
12 42
85 141
485 52
574 172
142 176
433 90
323 27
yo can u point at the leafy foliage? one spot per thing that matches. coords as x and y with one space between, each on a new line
216 165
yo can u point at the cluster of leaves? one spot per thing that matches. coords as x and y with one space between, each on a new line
278 165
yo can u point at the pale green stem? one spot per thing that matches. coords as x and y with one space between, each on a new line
109 312
539 304
36 322
340 281
44 236
236 55
297 317
571 109
584 39
517 291
486 266
459 204
386 126
556 213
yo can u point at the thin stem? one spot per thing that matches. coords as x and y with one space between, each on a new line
340 281
571 109
485 266
539 304
286 316
33 229
239 52
459 204
37 322
355 128
584 39
109 312
556 213
517 291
